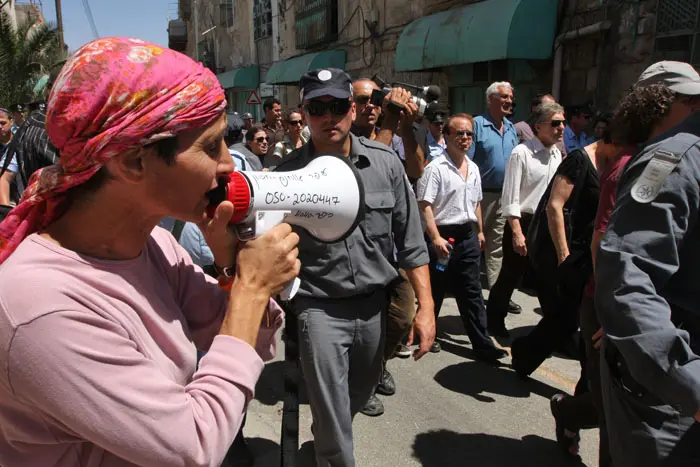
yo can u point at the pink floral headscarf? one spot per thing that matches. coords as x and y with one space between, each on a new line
112 95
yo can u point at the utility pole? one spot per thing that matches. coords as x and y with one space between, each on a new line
59 26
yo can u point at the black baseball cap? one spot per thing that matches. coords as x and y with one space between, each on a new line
325 82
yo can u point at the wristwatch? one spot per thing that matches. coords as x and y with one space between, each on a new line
228 271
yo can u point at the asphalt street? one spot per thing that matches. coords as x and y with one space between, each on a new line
449 410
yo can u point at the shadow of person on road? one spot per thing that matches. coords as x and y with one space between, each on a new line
449 327
270 387
445 448
266 454
307 454
477 380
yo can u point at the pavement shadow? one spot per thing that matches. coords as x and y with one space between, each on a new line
445 448
266 454
451 326
478 380
270 387
307 454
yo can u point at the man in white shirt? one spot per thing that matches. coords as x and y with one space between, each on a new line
449 195
530 168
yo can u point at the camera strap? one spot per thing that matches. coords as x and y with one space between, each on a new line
290 410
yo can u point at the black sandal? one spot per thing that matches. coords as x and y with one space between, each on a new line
567 439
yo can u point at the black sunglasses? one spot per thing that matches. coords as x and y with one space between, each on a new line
295 122
467 133
558 123
337 107
362 100
260 139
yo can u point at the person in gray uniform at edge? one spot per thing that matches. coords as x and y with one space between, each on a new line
342 302
647 295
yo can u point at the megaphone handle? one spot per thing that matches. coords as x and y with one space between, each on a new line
290 290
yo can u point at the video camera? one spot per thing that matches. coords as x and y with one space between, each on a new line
423 95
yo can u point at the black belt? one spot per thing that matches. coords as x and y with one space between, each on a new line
456 230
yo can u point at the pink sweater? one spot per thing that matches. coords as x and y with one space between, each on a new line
97 360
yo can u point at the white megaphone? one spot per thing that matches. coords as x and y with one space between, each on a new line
326 198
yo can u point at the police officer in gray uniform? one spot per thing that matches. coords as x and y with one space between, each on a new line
648 294
342 301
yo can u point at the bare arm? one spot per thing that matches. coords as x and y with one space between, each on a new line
5 182
424 322
561 191
439 243
415 159
515 225
386 132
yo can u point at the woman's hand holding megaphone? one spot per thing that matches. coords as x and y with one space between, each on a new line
222 240
270 261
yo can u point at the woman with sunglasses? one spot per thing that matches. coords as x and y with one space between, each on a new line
257 141
559 248
294 138
101 311
530 168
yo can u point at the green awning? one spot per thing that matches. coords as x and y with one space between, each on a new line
483 31
290 71
248 77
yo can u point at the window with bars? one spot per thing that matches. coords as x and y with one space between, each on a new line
262 18
678 31
316 22
227 13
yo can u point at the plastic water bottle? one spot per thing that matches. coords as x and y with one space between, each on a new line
442 262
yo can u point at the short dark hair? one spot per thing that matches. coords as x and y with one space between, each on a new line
577 110
270 102
254 130
448 122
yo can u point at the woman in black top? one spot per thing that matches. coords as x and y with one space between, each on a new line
559 250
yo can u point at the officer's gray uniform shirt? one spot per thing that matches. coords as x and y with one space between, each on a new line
364 261
647 274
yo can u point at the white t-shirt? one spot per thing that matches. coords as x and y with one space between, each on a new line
454 200
530 168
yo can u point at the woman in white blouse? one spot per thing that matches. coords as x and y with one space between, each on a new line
530 168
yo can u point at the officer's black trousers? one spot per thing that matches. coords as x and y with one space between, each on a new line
461 277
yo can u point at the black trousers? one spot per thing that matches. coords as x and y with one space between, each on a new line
512 269
559 293
462 279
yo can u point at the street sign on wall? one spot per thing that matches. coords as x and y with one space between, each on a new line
253 99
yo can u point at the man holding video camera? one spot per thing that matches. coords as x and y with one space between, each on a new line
402 307
342 301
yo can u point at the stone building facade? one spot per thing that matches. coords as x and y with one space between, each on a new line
594 48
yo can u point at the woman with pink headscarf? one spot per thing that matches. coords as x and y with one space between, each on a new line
100 311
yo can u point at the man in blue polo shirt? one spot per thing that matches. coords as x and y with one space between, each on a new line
495 138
